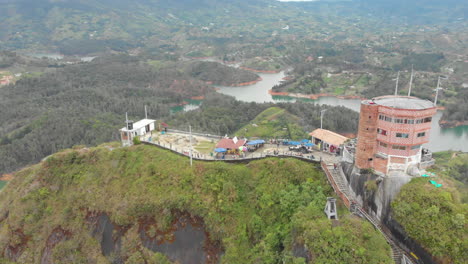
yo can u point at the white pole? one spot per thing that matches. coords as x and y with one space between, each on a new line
321 120
126 127
411 81
322 112
437 91
190 130
396 86
146 113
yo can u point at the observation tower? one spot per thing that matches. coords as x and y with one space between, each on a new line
392 130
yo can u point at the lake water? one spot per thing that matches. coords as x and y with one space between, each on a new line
440 139
192 105
52 56
257 92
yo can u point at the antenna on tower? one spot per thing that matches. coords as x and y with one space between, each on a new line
146 113
411 81
396 85
437 91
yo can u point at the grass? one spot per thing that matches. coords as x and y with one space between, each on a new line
257 211
453 166
274 122
157 64
2 184
205 147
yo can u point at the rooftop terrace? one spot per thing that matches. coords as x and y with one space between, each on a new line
401 102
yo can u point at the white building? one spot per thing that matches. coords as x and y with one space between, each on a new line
140 128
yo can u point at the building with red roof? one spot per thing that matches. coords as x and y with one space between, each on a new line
231 143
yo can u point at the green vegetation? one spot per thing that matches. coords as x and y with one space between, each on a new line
261 64
274 122
84 104
434 217
219 74
136 140
457 110
423 62
453 166
2 184
258 211
327 241
205 147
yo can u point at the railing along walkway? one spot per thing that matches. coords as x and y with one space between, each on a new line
233 158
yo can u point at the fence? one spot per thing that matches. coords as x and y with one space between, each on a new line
336 188
233 158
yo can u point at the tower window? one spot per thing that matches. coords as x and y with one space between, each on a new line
402 135
421 134
381 132
398 147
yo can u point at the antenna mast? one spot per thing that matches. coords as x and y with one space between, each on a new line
146 113
396 86
437 91
411 81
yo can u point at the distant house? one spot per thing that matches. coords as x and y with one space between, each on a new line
5 80
140 128
327 140
231 143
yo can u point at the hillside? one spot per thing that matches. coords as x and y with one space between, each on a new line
434 218
274 122
440 225
219 74
453 166
83 26
116 205
84 104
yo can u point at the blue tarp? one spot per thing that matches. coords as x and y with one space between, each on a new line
256 142
305 141
309 144
437 185
220 150
294 143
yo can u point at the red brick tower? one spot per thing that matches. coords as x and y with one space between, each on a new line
391 132
367 134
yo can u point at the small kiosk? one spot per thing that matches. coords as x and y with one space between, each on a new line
131 130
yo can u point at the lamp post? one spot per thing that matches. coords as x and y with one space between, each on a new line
321 117
190 130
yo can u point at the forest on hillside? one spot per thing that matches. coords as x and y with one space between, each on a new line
86 103
265 211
